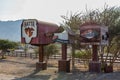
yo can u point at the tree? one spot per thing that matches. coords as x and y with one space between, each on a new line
73 21
109 16
25 49
36 50
50 50
6 44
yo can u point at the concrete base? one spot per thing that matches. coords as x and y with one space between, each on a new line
64 65
108 69
95 66
41 66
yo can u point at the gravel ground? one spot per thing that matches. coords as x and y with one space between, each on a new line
17 68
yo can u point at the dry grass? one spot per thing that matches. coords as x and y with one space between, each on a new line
17 68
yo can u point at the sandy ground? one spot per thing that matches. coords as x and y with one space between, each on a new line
17 68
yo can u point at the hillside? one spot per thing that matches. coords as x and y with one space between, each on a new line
10 30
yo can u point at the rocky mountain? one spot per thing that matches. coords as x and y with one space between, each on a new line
10 30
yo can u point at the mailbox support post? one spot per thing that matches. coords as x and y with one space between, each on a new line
64 51
64 64
41 53
94 53
95 65
41 65
38 33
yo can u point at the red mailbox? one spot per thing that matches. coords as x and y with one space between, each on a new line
37 32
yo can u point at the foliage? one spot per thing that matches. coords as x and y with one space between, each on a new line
6 44
50 50
74 21
84 54
109 16
36 50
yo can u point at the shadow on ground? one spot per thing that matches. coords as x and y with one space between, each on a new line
73 75
34 76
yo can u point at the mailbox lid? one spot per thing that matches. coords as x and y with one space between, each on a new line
46 32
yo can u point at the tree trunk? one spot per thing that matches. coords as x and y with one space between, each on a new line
108 51
73 57
115 55
101 54
46 60
3 54
25 50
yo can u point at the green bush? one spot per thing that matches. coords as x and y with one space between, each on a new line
83 54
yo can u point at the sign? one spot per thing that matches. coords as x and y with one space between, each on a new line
37 32
93 34
90 35
29 30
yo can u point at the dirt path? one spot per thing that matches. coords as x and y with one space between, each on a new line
17 68
6 77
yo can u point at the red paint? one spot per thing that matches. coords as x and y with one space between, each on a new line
41 53
45 33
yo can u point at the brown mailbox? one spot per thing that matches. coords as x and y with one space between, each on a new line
37 32
95 35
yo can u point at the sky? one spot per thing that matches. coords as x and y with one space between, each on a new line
48 10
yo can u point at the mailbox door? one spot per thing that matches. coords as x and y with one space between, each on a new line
29 31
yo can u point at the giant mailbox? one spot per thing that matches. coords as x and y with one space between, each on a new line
64 63
38 33
95 35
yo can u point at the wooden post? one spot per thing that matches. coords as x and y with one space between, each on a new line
64 64
95 65
95 53
64 51
41 53
41 65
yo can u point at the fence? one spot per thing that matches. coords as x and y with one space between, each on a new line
58 57
22 54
